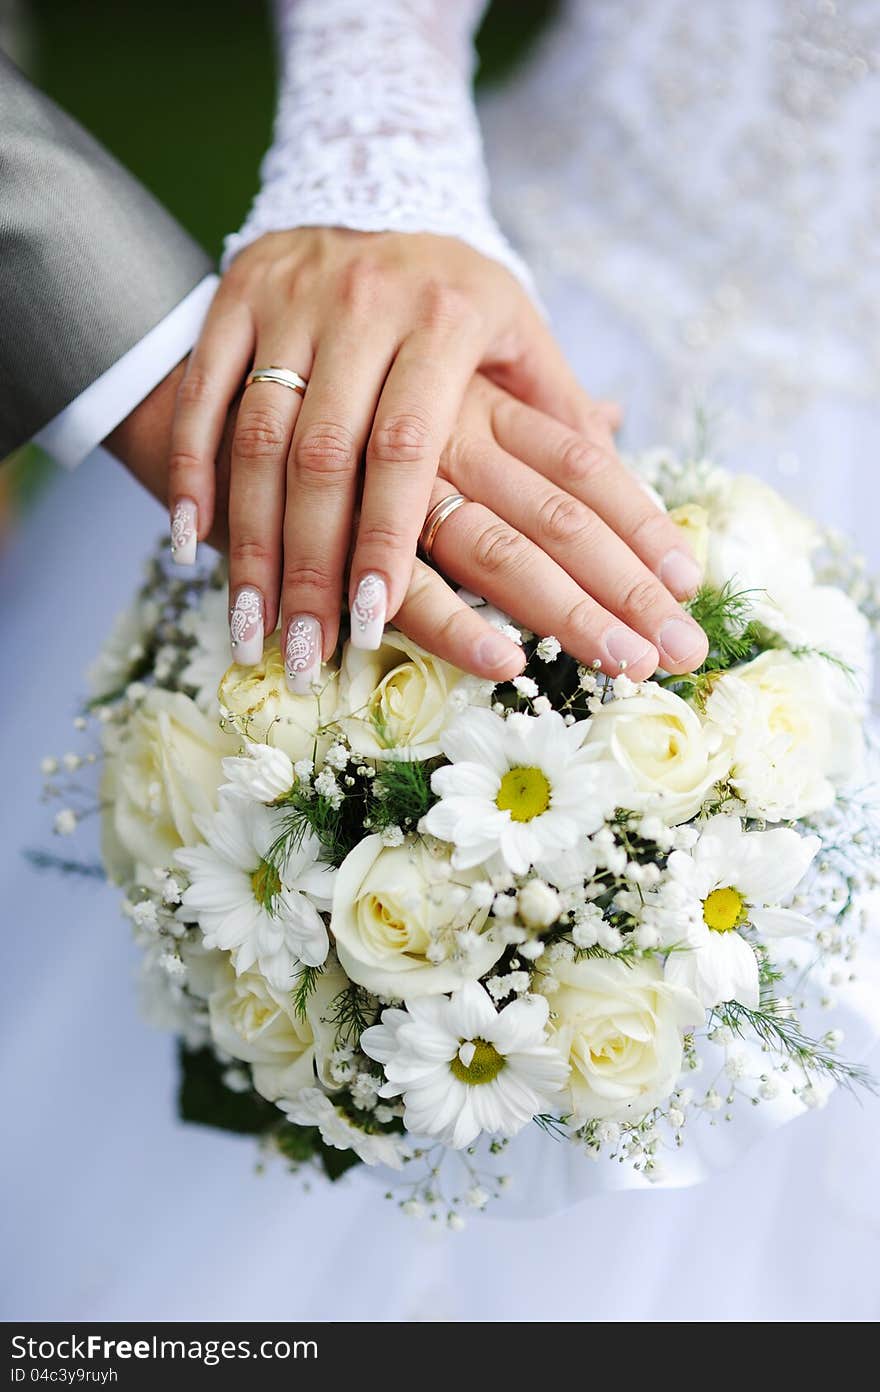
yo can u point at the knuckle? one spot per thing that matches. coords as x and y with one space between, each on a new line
384 536
445 306
641 596
286 277
196 388
653 526
261 434
183 463
563 520
498 548
401 439
582 461
580 617
464 453
359 284
250 551
324 451
451 632
308 575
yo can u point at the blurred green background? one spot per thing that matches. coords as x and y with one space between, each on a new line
183 94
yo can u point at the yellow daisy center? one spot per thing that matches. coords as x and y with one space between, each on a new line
724 910
477 1062
524 793
265 882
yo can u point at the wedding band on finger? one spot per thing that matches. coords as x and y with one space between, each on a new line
282 376
435 519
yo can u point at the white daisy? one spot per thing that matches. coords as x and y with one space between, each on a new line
730 879
463 1067
231 884
526 786
313 1108
209 657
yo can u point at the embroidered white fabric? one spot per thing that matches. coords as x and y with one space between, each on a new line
375 128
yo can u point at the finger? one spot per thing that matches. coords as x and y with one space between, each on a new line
213 376
611 412
539 375
323 478
488 556
593 473
415 416
434 616
583 545
258 470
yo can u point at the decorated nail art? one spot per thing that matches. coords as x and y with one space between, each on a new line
184 532
368 612
302 654
246 626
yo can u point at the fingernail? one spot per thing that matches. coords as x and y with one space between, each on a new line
494 651
625 647
680 573
184 532
302 654
681 639
246 627
368 610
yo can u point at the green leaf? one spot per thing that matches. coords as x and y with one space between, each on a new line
205 1099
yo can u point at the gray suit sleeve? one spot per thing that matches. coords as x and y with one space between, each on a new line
89 261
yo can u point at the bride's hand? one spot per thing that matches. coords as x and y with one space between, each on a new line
541 539
388 329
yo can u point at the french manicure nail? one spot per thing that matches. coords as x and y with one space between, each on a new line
302 654
625 647
495 651
184 532
681 639
368 610
246 627
680 573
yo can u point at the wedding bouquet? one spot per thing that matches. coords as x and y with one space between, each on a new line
412 910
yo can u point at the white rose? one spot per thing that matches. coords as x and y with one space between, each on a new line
398 697
672 759
162 769
620 1026
396 913
265 711
256 1023
692 521
792 726
821 617
757 540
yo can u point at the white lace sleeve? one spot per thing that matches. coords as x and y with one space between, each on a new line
376 128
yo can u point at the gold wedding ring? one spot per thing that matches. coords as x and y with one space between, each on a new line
435 519
283 376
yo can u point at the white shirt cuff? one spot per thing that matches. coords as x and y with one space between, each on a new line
77 430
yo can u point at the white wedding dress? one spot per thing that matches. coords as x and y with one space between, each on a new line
694 187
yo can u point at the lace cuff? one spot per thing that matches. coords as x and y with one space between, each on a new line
376 128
